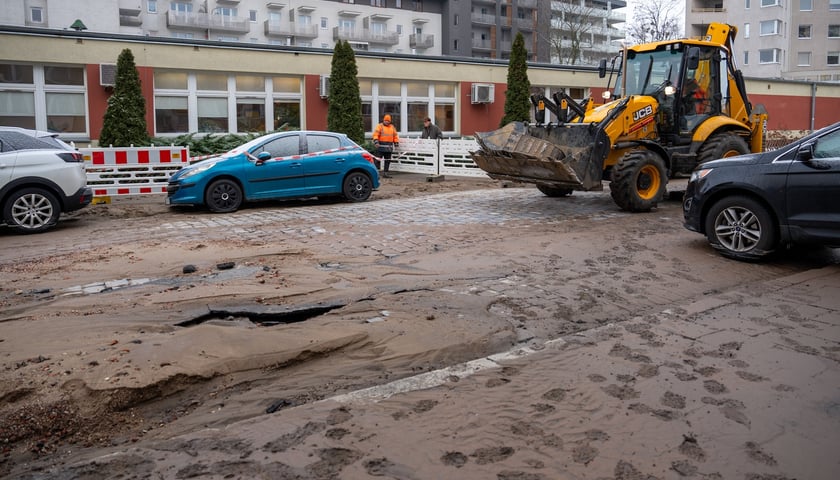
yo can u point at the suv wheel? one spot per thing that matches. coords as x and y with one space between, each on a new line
741 228
31 210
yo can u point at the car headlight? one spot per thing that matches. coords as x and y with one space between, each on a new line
201 167
698 174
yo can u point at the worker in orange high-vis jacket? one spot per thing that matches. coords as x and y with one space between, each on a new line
385 139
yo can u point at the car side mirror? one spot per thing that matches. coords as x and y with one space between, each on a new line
602 68
805 152
262 157
693 60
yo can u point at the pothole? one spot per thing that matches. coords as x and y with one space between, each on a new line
266 316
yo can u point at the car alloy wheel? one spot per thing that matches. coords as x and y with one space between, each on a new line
741 228
32 210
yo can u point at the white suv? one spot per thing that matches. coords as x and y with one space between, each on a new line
40 177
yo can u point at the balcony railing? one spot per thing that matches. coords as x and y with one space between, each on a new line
524 23
366 35
482 44
204 21
288 29
527 3
484 18
420 40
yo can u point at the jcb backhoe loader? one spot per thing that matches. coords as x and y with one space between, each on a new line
676 104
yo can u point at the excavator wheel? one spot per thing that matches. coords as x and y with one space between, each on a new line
722 145
550 191
638 181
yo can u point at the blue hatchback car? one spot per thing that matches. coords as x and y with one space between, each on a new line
278 166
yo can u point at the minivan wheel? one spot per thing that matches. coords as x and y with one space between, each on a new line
31 210
741 228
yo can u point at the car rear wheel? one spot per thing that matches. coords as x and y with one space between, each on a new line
223 196
31 210
741 228
357 187
550 191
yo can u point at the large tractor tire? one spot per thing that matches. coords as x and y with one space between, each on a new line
638 181
722 145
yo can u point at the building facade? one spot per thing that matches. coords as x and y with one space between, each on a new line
789 39
396 26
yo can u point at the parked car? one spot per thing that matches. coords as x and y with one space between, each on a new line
278 166
40 177
750 205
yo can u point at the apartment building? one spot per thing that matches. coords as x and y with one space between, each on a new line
395 26
788 39
556 31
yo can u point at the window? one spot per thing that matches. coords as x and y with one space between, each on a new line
455 45
770 27
151 6
746 30
324 22
179 7
319 143
171 114
834 31
250 115
769 55
286 115
229 12
252 16
399 29
455 19
746 58
187 35
806 5
212 114
834 5
284 146
833 58
36 15
769 3
803 59
804 31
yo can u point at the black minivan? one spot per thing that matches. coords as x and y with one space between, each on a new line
750 205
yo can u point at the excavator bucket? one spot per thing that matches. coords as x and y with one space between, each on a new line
564 156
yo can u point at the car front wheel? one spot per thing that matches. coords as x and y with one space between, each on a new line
31 210
741 228
357 187
223 196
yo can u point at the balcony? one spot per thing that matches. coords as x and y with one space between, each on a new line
527 3
483 18
130 21
420 40
204 21
130 11
278 29
524 23
366 36
479 44
305 31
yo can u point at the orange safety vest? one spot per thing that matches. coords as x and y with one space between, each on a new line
385 134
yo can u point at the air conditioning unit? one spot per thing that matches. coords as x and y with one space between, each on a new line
482 93
107 74
324 86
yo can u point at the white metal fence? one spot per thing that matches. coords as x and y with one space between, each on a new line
436 157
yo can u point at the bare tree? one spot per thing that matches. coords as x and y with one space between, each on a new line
571 22
655 20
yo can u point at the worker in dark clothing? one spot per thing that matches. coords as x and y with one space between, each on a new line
430 130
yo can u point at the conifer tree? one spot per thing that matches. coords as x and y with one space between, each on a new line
518 94
124 123
344 114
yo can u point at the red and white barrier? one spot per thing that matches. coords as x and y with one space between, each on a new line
132 170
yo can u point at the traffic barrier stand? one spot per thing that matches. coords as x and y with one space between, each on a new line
131 170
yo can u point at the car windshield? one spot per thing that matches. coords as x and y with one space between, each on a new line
647 72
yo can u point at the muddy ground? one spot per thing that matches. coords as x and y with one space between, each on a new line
124 326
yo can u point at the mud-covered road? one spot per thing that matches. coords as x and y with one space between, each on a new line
132 323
